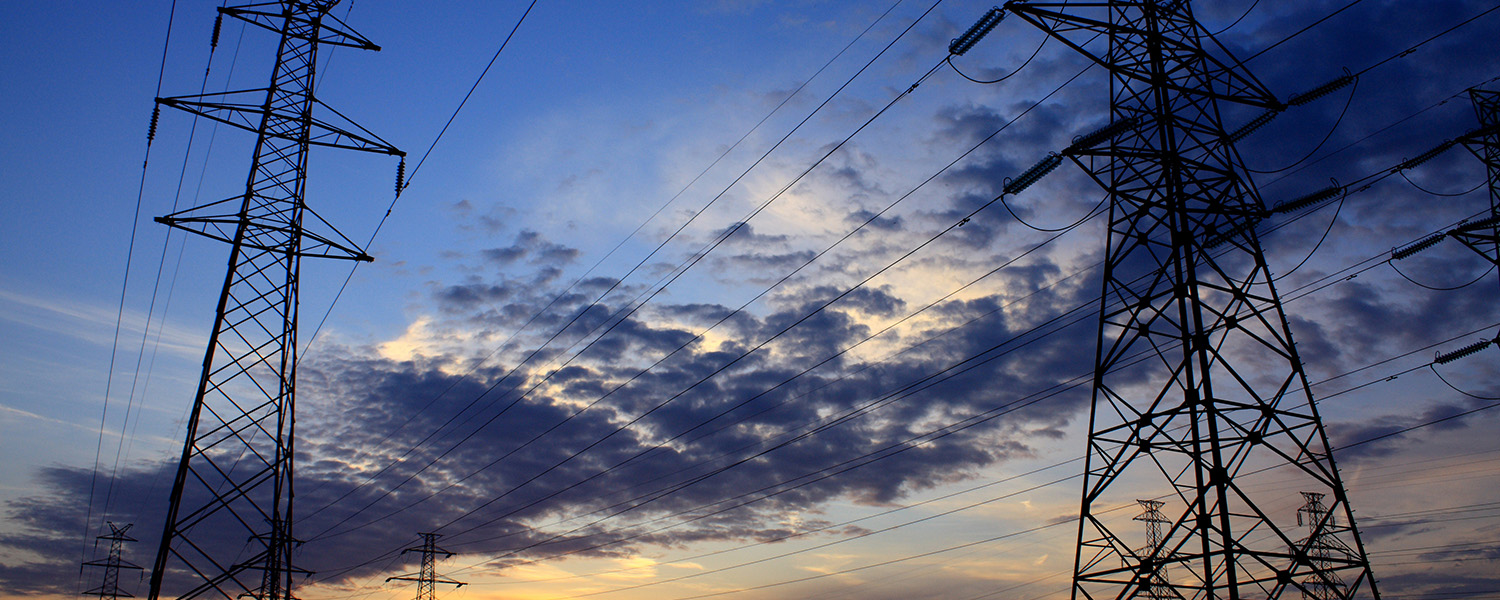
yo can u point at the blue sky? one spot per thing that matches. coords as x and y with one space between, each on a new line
595 117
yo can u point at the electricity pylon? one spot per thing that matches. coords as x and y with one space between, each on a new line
1220 395
1322 545
112 564
228 531
427 579
1158 586
1483 236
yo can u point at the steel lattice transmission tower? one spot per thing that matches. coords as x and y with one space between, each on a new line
234 483
427 579
1198 388
1322 546
1483 236
1157 586
112 564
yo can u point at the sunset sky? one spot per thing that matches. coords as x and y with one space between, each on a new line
590 174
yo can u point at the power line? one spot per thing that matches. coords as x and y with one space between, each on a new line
682 268
1301 31
120 449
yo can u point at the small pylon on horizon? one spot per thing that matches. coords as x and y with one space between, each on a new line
112 563
427 579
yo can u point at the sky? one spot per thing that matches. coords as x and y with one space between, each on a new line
607 147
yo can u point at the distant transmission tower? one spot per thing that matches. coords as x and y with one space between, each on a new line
1323 544
1151 560
1483 236
1197 384
112 564
427 579
228 530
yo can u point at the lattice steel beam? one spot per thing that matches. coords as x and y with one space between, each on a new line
1483 236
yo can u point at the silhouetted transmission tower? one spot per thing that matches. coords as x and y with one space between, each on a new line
112 564
1321 545
234 483
1221 395
427 579
1157 585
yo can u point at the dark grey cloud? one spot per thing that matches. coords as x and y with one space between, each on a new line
532 246
501 494
1438 418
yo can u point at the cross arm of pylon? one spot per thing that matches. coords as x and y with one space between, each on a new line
1336 191
336 33
417 577
1082 22
1301 99
245 109
1479 236
222 227
1483 136
1080 146
1474 137
1303 202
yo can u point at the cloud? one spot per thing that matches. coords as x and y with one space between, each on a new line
530 245
393 435
91 323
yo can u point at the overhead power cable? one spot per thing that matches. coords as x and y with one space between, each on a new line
981 28
136 383
1381 130
805 532
634 503
1418 45
863 534
844 524
1300 31
829 302
928 180
403 180
1077 380
1081 380
1348 79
